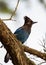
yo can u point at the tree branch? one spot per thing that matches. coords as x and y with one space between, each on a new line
13 46
34 52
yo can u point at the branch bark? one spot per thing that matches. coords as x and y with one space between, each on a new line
13 46
34 52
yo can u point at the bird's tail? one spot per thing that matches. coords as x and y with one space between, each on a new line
7 57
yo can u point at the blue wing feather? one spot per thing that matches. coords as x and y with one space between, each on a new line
22 35
18 30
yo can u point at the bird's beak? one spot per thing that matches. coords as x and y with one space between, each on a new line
35 22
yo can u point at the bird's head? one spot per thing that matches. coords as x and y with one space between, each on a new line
28 21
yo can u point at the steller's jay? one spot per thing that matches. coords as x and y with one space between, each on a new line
22 33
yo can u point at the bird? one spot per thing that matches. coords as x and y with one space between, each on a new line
22 33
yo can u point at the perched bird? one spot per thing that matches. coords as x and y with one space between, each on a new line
22 33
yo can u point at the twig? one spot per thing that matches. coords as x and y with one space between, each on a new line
14 10
12 13
8 19
35 59
43 45
41 63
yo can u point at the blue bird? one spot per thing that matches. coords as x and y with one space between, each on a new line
22 33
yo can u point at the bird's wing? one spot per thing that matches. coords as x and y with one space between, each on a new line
21 34
17 31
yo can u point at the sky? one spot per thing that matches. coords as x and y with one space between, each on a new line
36 11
